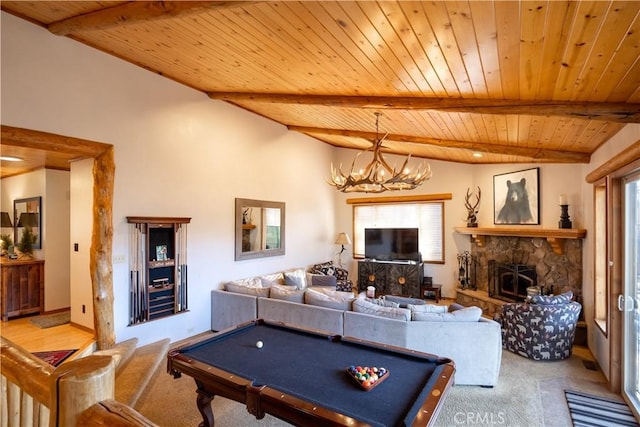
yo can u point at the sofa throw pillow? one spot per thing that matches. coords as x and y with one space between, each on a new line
251 282
361 305
325 268
274 277
381 301
266 283
468 314
287 293
427 308
552 300
404 301
247 290
295 278
455 306
321 280
325 297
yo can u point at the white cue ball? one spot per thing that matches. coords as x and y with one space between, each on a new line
259 344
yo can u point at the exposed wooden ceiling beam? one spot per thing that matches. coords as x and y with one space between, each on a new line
620 160
131 12
26 138
620 112
533 153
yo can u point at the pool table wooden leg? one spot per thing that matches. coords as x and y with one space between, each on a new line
204 407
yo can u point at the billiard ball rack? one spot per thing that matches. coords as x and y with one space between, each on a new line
367 378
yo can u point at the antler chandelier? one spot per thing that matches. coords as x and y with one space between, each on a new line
379 176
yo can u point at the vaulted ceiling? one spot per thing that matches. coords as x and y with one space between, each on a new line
462 81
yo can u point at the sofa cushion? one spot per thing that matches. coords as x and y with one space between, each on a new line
361 305
295 278
321 280
467 314
247 290
287 293
552 300
329 298
427 308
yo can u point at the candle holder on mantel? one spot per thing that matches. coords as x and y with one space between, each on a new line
564 222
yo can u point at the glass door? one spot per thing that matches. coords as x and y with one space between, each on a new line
629 302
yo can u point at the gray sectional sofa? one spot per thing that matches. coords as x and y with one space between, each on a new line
474 345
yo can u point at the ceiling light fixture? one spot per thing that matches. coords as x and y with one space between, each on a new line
11 159
378 176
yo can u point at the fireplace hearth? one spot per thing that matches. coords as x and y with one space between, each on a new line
509 282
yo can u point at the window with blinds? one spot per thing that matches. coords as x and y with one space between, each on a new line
428 217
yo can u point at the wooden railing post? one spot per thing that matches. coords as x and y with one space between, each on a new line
79 384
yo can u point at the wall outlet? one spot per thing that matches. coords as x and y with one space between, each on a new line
118 259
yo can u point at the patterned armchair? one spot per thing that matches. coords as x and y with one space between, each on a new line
342 276
543 329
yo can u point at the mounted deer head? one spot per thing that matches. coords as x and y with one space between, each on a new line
472 216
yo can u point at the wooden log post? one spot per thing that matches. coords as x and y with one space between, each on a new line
79 384
101 249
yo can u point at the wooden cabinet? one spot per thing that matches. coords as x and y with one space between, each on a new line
391 278
22 287
158 267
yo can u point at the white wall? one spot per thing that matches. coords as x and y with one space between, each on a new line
80 232
598 341
55 224
177 153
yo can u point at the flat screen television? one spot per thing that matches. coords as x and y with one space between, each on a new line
391 244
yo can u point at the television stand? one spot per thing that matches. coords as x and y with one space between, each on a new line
399 277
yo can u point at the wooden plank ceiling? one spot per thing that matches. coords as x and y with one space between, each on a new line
461 81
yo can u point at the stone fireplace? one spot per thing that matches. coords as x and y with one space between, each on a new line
552 260
509 282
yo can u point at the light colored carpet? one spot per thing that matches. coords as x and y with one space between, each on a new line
528 394
50 320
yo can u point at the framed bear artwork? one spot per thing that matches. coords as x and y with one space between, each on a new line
516 197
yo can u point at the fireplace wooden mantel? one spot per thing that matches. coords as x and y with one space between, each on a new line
555 237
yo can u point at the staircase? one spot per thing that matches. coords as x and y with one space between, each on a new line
135 367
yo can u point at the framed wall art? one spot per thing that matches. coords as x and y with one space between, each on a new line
516 197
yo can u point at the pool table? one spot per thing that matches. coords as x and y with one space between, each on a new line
300 376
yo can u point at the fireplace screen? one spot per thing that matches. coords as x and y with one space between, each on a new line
509 282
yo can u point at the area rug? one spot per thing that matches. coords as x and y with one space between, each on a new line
587 410
54 358
50 320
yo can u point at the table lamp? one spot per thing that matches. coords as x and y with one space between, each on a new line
343 239
5 220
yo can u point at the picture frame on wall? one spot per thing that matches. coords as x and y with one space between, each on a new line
161 253
516 197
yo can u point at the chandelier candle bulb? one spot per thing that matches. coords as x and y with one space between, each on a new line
563 199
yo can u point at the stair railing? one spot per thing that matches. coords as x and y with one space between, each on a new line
34 393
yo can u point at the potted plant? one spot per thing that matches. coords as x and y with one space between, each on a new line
5 243
25 245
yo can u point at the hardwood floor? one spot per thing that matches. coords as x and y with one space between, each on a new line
32 338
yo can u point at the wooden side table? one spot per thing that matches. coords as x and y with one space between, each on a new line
427 290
